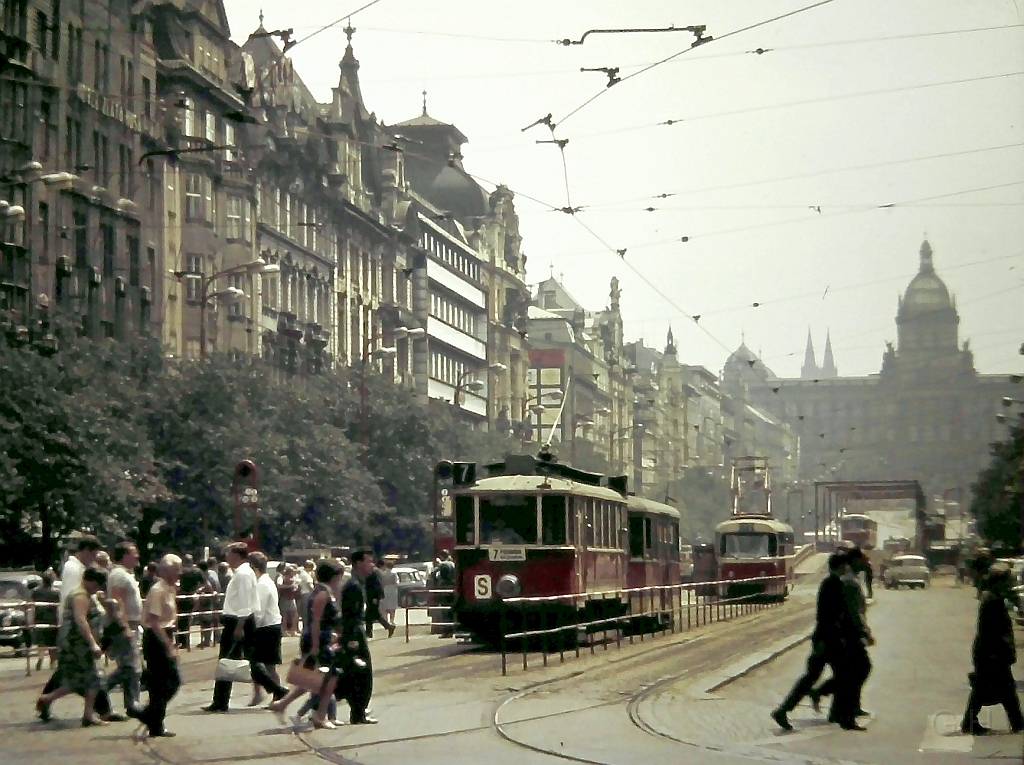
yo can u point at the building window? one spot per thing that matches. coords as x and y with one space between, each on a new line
134 277
194 197
211 128
80 218
44 231
147 98
237 307
46 114
229 140
151 262
194 285
42 33
109 248
235 229
191 119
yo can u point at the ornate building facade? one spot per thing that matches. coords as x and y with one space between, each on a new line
927 415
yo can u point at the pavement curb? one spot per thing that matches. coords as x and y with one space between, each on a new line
751 662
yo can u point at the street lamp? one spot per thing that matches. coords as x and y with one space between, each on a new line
538 409
378 354
258 266
473 385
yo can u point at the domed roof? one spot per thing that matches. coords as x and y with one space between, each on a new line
926 291
744 361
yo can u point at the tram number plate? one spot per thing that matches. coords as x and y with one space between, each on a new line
506 553
482 586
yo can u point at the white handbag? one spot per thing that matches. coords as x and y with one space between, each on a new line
234 671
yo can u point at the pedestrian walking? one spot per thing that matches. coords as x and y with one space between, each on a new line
126 642
827 640
354 649
373 590
76 564
389 603
159 648
241 606
150 575
192 582
304 581
267 637
78 648
288 593
47 606
993 655
318 627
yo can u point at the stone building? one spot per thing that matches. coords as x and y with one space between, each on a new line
81 221
927 415
578 357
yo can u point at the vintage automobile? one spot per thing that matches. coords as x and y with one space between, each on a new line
412 586
906 571
15 590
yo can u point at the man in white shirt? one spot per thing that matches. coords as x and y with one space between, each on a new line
126 647
75 566
241 607
266 649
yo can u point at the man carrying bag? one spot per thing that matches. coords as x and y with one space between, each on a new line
241 605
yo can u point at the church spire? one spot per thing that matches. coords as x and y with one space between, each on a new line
670 343
809 370
828 363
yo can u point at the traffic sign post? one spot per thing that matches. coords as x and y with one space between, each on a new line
245 492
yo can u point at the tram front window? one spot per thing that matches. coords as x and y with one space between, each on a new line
552 515
508 519
464 530
745 546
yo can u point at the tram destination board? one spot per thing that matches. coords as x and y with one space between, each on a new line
505 554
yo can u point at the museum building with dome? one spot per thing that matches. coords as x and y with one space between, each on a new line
926 415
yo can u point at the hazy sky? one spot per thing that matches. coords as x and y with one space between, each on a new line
915 105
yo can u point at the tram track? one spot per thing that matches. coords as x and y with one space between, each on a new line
707 648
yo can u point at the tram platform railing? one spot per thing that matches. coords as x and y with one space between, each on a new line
556 622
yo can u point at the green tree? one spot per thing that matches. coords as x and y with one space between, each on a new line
998 502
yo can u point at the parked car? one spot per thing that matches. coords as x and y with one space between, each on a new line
906 571
412 586
15 589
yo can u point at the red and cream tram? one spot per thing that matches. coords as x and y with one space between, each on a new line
752 544
860 530
752 547
533 527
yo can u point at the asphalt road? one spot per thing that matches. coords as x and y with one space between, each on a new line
696 697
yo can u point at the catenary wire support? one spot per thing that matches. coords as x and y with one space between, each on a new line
696 31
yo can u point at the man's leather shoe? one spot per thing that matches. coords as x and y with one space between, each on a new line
975 730
214 708
851 725
366 721
164 734
779 715
113 717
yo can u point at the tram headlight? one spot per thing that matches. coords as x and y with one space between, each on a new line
509 586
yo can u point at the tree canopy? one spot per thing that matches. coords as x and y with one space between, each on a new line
998 503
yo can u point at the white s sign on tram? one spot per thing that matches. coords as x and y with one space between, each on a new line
482 586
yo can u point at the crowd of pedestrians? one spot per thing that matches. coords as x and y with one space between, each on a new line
140 624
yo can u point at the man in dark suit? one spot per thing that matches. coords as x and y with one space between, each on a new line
833 629
994 654
356 683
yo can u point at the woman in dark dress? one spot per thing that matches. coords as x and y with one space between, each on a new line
78 647
47 603
315 643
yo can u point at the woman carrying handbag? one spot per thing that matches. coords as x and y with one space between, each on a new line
315 644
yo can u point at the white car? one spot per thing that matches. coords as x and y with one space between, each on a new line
907 570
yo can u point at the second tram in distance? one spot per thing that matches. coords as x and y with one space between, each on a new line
533 527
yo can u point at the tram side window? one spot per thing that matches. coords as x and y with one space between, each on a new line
571 507
648 535
591 528
464 531
773 544
508 519
552 514
600 516
636 536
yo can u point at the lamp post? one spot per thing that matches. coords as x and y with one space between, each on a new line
462 384
258 266
586 421
378 353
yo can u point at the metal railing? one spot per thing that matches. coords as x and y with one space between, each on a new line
647 610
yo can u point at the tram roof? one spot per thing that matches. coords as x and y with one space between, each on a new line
855 517
753 523
650 506
540 483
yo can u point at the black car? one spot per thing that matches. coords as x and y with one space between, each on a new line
15 590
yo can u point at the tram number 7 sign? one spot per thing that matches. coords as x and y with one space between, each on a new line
482 586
